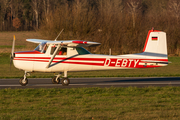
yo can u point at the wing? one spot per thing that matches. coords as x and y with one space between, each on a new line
69 43
36 40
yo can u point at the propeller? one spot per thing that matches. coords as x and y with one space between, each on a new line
12 52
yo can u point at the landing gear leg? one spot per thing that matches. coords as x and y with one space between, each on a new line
56 79
65 81
24 81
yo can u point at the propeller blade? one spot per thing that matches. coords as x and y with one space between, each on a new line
12 52
10 61
13 45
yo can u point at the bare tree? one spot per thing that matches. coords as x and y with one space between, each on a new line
134 6
35 6
4 6
109 23
46 8
79 13
174 8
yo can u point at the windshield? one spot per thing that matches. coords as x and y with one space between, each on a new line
42 47
82 51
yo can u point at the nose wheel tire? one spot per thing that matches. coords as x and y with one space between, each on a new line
55 81
23 81
65 82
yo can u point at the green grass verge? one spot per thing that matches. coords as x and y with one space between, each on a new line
168 71
91 103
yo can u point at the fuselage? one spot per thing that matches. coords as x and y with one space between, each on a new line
36 61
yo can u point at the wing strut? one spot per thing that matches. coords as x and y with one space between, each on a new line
54 54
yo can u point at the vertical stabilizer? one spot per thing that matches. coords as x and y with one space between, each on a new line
156 43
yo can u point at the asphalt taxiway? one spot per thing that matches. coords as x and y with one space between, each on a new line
94 82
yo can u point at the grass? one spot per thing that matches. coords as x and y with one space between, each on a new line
171 70
91 103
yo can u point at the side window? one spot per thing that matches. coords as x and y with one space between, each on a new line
61 51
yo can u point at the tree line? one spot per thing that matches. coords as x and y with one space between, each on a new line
121 25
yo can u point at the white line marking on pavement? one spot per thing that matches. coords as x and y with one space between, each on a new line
55 85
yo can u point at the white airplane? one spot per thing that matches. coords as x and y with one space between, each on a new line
65 56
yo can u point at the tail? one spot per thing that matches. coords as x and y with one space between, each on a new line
156 46
156 43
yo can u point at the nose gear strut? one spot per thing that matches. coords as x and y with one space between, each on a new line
24 81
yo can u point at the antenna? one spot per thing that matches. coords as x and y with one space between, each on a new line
152 28
59 34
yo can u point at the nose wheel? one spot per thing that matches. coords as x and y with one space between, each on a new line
24 81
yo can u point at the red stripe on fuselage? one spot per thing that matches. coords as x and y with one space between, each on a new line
62 61
32 60
29 52
58 58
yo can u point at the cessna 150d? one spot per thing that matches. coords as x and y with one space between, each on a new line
65 56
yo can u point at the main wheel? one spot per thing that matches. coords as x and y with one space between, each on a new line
54 81
65 82
23 82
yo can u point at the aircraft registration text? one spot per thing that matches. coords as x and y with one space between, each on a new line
121 62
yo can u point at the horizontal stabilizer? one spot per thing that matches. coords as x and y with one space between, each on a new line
152 61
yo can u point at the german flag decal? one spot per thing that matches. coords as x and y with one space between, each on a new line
154 38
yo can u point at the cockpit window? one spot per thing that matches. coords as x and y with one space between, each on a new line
42 47
82 51
53 48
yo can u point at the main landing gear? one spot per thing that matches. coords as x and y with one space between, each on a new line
55 80
65 81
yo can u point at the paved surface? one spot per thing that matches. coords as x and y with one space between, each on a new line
93 82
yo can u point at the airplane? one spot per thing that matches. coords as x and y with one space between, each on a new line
69 55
